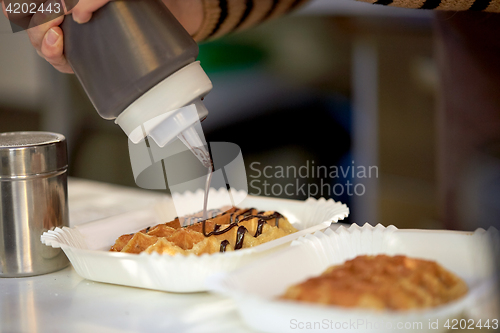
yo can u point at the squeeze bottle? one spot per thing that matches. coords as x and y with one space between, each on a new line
138 66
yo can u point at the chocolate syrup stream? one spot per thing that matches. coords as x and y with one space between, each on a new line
206 160
205 197
233 222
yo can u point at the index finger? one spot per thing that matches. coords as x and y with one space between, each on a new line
83 11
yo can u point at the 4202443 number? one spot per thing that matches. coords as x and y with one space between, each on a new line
32 8
470 324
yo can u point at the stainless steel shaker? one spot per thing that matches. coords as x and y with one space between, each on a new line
33 199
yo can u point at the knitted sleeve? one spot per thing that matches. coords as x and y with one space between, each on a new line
224 16
453 5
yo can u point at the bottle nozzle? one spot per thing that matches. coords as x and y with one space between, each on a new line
193 141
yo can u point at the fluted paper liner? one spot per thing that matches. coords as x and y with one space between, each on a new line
87 245
256 287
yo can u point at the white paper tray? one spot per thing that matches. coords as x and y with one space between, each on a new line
87 245
255 287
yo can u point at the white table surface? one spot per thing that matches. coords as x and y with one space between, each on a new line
65 302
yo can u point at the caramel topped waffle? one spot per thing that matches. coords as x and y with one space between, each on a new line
381 282
225 230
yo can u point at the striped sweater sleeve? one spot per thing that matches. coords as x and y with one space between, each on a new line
452 5
225 16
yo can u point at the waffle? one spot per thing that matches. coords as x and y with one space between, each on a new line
226 230
381 282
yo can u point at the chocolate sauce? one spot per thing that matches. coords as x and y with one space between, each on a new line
232 223
231 218
260 225
240 236
216 231
275 215
223 245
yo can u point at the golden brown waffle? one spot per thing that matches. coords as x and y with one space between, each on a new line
226 230
381 282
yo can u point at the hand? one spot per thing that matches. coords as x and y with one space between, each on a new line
47 38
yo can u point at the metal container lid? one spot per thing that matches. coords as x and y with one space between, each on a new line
25 154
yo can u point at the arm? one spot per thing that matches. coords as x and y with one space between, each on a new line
207 19
201 18
224 16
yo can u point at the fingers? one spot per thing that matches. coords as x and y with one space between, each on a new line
52 50
37 33
84 9
47 39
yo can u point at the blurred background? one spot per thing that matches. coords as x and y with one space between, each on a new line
337 83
